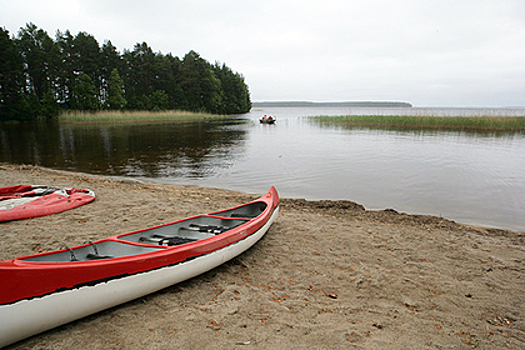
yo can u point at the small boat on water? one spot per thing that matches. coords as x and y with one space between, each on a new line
267 120
29 201
42 291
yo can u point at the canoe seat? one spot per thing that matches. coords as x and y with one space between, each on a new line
177 241
236 215
213 229
166 240
98 257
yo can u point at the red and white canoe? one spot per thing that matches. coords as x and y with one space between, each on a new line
43 291
29 201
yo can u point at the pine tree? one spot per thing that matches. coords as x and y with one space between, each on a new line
115 99
11 79
84 95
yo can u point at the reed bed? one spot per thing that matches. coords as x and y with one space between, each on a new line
488 123
132 116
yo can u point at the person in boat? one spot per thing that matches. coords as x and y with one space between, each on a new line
270 118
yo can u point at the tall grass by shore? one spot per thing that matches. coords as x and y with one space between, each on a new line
132 116
487 123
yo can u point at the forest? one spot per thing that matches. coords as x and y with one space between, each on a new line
40 76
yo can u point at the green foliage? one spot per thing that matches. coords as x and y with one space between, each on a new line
236 97
115 98
37 74
84 94
158 101
33 44
49 108
11 78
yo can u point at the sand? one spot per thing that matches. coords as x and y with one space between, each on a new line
327 275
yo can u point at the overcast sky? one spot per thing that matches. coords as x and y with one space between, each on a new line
464 53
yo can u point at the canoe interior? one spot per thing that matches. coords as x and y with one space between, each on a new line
157 238
251 210
86 253
193 229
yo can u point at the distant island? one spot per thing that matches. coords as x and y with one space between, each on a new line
357 104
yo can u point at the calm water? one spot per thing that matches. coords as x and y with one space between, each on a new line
469 177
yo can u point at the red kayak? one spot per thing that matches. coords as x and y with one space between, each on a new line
42 291
28 201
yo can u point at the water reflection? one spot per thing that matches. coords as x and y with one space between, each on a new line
195 149
468 176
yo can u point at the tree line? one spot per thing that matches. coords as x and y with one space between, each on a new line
40 76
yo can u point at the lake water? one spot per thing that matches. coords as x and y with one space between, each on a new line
471 177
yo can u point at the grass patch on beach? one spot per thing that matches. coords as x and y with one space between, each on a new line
486 123
82 117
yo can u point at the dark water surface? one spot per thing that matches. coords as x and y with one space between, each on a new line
471 177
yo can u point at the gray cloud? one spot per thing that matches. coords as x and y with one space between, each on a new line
431 53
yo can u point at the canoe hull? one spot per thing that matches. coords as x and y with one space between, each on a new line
31 316
27 201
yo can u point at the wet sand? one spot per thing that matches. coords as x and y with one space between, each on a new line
327 275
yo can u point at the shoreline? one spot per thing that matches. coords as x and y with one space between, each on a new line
328 274
130 117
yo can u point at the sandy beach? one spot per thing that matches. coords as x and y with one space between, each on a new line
327 275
